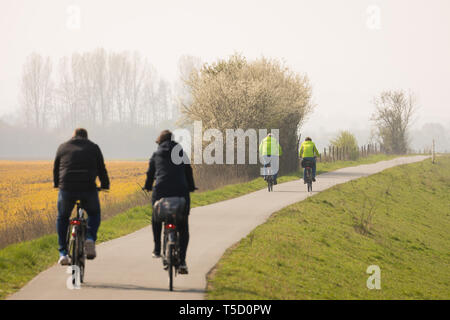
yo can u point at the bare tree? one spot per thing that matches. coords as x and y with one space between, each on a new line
37 90
162 102
187 66
99 66
393 114
135 77
149 97
117 65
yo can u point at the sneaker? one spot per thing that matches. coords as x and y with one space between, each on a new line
89 246
183 269
156 255
64 260
314 180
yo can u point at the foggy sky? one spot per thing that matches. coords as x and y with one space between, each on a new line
347 62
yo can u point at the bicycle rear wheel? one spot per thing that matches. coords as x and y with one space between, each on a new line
73 253
81 257
76 254
170 258
308 179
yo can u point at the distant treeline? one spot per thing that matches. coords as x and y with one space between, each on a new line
93 88
116 142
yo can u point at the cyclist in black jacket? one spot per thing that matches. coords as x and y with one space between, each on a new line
172 180
77 164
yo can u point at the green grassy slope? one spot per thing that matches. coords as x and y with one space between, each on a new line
320 248
19 263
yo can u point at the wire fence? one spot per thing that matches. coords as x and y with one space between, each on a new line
333 153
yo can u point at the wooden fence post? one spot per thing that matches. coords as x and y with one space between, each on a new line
433 153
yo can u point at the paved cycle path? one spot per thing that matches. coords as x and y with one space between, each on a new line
124 268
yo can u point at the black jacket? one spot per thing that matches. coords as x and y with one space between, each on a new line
77 164
172 180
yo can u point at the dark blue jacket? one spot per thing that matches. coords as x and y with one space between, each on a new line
171 180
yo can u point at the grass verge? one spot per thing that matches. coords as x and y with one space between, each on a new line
320 248
19 263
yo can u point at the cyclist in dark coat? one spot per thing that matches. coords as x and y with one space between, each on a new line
77 164
172 180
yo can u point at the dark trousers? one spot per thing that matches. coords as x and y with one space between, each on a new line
313 159
183 230
66 201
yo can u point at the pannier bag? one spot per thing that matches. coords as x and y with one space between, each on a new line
307 163
170 209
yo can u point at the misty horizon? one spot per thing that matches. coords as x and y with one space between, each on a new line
349 53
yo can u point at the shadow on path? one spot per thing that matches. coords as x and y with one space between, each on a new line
135 287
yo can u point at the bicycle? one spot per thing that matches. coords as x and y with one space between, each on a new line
76 237
269 177
169 211
171 251
308 174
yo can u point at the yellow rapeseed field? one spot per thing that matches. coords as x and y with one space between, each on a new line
27 194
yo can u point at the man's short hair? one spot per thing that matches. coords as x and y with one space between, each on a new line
81 133
164 136
308 139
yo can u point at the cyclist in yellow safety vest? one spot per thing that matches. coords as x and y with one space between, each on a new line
270 151
309 152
